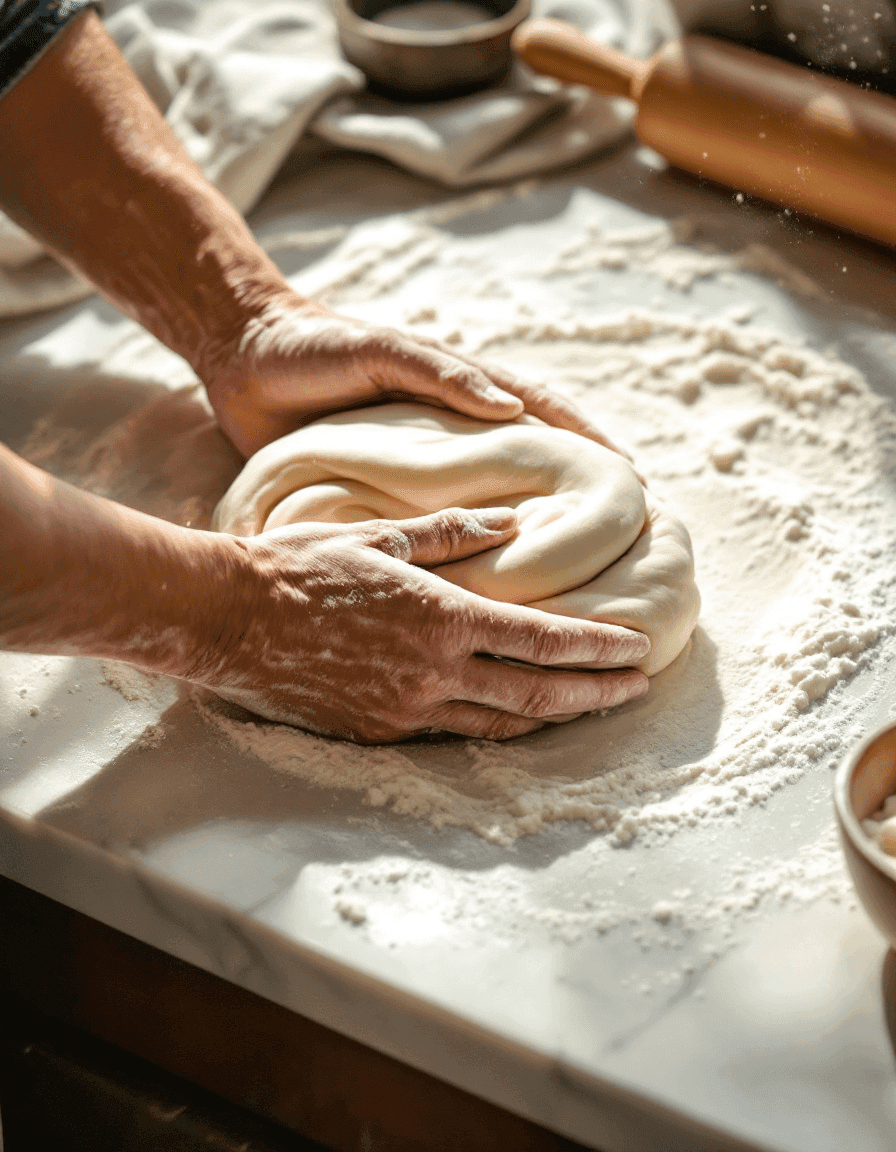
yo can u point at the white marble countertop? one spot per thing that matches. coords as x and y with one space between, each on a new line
770 1035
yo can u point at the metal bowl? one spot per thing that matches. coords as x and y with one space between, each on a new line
863 781
428 65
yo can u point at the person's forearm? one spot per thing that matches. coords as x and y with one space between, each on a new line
82 576
97 175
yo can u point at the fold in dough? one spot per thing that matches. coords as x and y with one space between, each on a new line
592 542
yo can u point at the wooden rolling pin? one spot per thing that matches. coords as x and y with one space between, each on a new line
741 118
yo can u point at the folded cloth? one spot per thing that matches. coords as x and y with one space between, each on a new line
240 82
527 125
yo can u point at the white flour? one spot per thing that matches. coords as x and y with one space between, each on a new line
778 458
773 454
398 900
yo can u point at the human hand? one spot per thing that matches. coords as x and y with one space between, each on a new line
341 630
297 361
181 261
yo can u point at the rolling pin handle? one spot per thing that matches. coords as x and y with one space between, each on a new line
556 49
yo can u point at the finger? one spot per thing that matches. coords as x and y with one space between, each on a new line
466 719
552 408
543 638
539 693
406 365
422 368
452 534
549 406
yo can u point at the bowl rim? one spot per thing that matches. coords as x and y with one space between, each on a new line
850 823
468 34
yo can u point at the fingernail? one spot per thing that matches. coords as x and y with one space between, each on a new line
639 643
631 688
632 645
497 519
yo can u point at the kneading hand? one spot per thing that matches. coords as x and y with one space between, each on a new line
332 628
298 361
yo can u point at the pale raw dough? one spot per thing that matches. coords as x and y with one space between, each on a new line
592 541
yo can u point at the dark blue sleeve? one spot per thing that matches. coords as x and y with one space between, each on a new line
26 29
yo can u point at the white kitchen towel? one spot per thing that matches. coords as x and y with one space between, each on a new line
529 124
240 82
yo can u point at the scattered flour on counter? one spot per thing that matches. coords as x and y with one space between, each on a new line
135 684
396 900
788 534
353 913
377 258
777 456
663 249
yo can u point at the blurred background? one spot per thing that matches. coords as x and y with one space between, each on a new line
852 39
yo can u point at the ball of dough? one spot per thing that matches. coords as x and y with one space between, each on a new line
591 542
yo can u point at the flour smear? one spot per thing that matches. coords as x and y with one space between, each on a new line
777 456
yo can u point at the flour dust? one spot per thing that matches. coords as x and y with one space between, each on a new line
776 454
777 457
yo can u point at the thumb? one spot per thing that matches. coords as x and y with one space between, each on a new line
452 534
436 374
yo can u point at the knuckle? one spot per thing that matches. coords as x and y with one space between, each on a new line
447 633
392 722
547 644
452 526
456 374
507 380
447 717
540 700
538 394
480 723
458 522
386 536
506 726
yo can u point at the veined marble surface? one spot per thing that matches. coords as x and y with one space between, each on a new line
633 1039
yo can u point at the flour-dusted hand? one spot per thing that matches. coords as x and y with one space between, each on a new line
340 629
297 361
179 259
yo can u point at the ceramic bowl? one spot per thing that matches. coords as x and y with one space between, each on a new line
427 65
863 781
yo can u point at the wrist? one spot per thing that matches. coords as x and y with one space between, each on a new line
254 310
203 607
83 576
251 378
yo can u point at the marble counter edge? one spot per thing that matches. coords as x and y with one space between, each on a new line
545 1089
